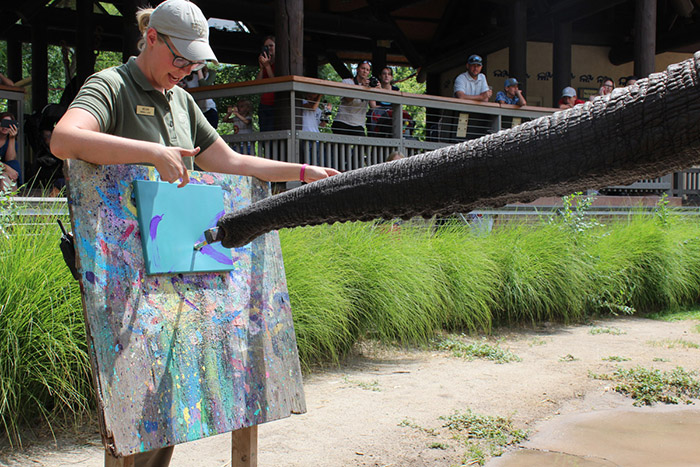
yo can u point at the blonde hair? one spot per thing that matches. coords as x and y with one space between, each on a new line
143 18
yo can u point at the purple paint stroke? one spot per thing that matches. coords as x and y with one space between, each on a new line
153 228
216 255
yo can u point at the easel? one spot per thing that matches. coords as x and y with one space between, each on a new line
244 450
166 327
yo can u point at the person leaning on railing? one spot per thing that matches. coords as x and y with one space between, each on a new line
352 113
471 84
511 94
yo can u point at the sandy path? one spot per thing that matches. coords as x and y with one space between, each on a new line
355 413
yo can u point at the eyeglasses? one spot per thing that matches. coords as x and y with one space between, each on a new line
182 62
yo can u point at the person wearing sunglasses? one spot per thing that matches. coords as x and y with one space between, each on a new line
606 88
136 113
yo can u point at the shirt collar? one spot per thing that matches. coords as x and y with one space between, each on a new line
139 77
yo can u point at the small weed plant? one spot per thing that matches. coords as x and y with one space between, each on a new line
568 358
366 385
606 330
473 350
615 358
574 214
649 386
411 424
483 434
673 343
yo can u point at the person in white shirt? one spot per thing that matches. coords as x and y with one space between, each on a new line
352 113
311 113
472 84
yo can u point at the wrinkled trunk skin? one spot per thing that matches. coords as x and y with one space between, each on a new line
642 131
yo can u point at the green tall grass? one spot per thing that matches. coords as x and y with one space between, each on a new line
363 280
44 367
543 274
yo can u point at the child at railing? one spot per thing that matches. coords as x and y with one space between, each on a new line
241 115
311 118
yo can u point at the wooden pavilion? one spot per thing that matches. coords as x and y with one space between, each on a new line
433 35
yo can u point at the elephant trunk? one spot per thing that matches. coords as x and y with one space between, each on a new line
641 131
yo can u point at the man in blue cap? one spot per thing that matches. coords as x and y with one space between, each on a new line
472 84
512 94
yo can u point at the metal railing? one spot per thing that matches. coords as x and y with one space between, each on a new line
444 121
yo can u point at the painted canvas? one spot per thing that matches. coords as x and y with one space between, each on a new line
178 357
174 220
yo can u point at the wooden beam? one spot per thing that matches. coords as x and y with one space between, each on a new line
244 447
85 38
561 59
11 12
405 45
111 461
14 60
517 47
40 66
130 28
289 37
338 65
644 37
263 13
565 10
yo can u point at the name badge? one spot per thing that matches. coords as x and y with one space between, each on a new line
145 110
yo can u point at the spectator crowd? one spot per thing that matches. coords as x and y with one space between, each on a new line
351 116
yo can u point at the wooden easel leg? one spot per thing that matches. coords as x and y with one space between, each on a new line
244 451
111 461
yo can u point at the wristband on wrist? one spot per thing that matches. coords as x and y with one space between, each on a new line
301 172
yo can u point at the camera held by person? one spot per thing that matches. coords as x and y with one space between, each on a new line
373 82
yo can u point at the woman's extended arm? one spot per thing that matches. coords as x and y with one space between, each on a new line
219 157
77 136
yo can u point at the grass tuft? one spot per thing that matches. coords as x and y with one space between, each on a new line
649 386
474 350
484 435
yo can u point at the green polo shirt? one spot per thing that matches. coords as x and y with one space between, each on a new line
126 104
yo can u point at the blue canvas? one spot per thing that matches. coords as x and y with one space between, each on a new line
172 220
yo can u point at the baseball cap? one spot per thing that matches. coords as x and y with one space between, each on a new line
568 92
510 82
474 59
186 26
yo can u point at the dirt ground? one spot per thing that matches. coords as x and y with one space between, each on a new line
383 406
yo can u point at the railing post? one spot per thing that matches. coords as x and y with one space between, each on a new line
397 125
292 146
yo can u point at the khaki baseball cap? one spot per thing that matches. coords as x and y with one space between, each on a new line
186 26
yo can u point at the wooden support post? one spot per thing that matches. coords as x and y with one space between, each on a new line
40 65
244 449
111 461
289 37
14 59
644 38
379 53
517 49
131 34
561 59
